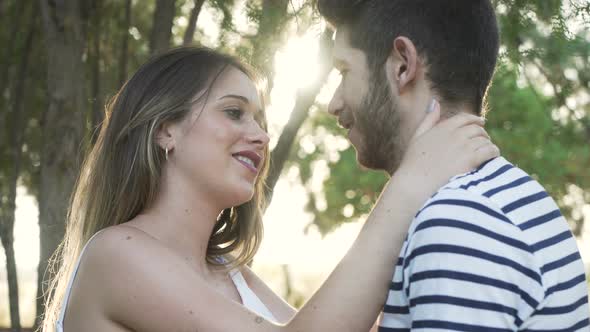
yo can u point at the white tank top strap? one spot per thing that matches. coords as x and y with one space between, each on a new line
66 298
249 299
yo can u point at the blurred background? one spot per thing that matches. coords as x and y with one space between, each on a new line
62 60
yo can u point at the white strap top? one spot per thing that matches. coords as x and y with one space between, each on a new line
248 297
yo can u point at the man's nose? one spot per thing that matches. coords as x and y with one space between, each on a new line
337 103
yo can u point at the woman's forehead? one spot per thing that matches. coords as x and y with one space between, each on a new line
234 82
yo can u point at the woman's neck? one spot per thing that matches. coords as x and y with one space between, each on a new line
182 217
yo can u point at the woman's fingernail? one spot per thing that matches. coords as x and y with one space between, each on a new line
430 107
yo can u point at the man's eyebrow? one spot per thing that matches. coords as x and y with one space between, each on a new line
242 98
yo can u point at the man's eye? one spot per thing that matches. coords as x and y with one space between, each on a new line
234 113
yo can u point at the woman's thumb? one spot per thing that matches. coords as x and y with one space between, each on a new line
431 118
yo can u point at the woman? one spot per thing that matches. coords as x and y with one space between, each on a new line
174 184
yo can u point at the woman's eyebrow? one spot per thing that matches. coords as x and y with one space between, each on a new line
242 98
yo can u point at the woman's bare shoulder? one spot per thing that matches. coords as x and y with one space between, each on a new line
121 239
133 275
118 249
145 287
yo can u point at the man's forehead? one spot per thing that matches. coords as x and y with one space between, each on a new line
343 53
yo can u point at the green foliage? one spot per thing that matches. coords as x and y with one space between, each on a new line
348 190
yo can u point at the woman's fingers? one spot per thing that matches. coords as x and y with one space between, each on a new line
430 120
476 143
485 153
461 120
472 131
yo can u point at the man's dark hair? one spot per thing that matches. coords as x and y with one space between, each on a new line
458 39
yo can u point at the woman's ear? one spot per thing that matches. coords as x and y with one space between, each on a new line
403 62
165 137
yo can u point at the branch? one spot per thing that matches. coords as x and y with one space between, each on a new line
561 99
7 57
123 56
305 99
192 23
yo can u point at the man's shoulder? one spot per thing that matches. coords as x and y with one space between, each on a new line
490 178
474 203
461 199
499 182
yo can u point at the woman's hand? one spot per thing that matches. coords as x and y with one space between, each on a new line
441 150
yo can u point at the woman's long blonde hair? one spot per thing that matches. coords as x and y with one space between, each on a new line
121 174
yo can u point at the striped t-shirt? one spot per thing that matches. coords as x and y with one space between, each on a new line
490 251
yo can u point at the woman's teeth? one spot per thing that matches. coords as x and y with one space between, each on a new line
246 160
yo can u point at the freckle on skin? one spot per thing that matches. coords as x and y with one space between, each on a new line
190 312
128 237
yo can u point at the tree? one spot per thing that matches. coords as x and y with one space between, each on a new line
63 122
305 100
15 99
14 133
162 25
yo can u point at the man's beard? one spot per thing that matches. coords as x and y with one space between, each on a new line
378 121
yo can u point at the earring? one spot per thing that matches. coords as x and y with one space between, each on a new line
166 152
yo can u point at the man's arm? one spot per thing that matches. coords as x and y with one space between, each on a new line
467 267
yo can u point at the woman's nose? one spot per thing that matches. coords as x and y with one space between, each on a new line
258 136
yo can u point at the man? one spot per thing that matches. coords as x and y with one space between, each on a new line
490 251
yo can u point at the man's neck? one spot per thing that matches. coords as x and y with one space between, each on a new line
448 110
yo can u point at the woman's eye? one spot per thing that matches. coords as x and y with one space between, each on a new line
234 113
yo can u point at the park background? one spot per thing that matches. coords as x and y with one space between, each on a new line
61 60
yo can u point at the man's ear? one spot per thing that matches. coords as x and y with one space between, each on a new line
403 62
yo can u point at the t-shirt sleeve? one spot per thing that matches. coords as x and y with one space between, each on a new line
467 268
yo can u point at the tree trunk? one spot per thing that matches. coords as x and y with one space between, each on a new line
62 124
96 110
269 37
192 23
8 243
124 43
305 99
2 8
162 26
7 58
15 130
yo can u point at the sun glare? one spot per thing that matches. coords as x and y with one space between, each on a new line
296 67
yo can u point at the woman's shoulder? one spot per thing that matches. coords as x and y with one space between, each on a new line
120 251
118 238
100 281
118 248
117 251
134 274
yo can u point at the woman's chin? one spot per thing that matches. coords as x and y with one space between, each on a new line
241 196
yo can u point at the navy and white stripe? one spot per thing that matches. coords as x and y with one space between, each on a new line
490 251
